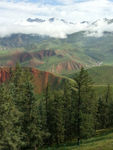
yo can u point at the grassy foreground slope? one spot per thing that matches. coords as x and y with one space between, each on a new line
102 141
102 75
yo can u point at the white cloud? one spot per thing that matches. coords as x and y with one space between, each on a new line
66 1
13 17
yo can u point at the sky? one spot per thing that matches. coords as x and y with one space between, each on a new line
13 15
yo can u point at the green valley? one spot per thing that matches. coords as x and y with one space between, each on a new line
57 55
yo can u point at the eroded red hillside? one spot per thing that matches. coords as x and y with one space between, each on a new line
41 59
40 78
66 66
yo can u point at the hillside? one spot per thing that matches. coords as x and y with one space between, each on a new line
102 75
50 54
40 79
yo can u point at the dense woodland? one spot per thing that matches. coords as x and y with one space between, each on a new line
29 121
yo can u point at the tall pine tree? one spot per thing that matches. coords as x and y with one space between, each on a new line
10 133
85 120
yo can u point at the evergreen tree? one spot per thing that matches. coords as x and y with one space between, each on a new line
55 120
10 136
27 104
108 95
43 120
102 117
68 111
85 106
104 109
111 114
44 109
31 121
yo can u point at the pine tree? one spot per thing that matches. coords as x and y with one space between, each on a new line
10 136
27 104
55 120
85 105
101 114
68 111
44 109
108 95
104 109
31 121
43 120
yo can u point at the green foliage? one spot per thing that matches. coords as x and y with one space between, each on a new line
29 121
101 75
104 114
85 98
102 141
69 111
26 103
55 122
89 51
10 136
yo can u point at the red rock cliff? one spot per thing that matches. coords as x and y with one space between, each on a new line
40 78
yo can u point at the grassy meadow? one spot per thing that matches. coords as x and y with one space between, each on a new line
102 141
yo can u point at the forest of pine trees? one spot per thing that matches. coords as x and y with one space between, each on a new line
29 121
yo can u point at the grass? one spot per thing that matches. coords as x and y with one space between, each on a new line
102 141
101 75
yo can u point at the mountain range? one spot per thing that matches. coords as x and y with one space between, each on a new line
40 20
51 20
57 55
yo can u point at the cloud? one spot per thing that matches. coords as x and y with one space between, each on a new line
66 1
13 15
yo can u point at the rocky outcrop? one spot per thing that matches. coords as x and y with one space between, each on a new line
4 74
29 57
44 53
41 59
40 79
67 66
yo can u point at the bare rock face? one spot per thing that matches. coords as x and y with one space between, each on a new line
66 66
30 57
40 59
40 78
44 53
4 74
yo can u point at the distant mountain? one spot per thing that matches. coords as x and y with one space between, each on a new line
109 21
61 56
51 20
36 20
57 55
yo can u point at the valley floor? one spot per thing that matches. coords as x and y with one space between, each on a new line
102 141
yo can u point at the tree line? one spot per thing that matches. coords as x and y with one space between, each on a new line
29 121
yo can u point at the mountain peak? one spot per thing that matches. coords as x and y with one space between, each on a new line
35 20
51 20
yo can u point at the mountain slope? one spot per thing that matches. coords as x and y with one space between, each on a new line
58 55
40 79
101 75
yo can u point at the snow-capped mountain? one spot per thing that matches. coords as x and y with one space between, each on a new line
36 20
57 27
50 20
